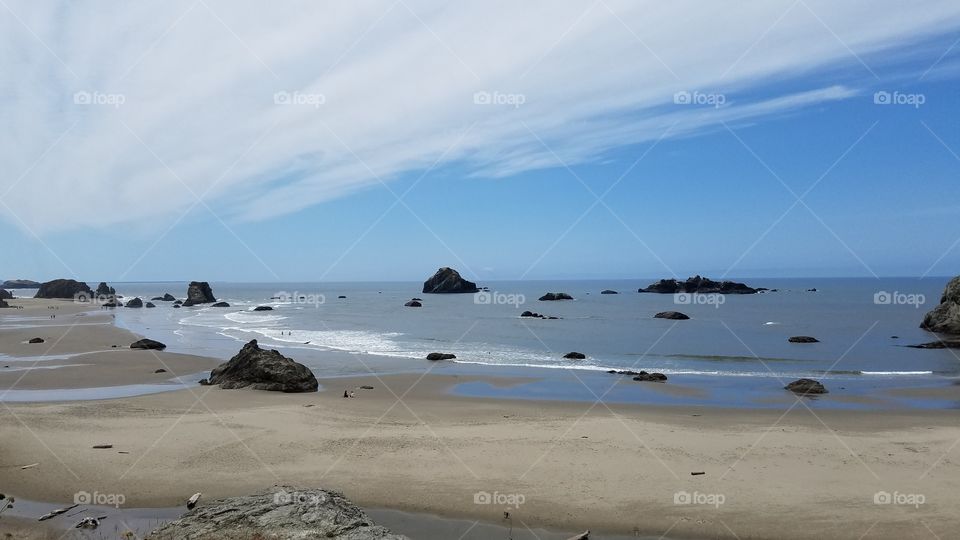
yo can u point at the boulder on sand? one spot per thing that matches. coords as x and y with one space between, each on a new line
697 284
263 370
448 280
440 356
551 296
35 340
3 303
199 292
148 344
134 303
806 386
277 512
64 288
105 291
675 315
643 376
803 339
945 318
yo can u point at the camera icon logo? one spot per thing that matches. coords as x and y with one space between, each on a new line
482 297
682 497
482 98
682 298
82 497
281 98
881 97
282 497
882 298
82 98
482 497
682 98
882 497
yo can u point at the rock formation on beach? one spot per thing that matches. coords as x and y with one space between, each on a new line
551 296
134 303
575 356
945 318
700 285
806 386
413 303
262 369
105 291
440 356
609 291
19 284
221 304
803 339
199 292
148 344
64 288
6 295
278 512
448 280
535 315
263 308
675 315
167 297
643 376
3 303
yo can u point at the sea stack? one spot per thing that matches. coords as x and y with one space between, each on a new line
262 369
945 318
699 285
447 281
199 292
64 288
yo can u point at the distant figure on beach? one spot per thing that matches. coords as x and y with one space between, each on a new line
345 394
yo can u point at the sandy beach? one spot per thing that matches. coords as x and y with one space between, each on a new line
407 444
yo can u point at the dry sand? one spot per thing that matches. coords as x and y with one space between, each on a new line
409 445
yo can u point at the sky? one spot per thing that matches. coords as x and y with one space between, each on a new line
377 141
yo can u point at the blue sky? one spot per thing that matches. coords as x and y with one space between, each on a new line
509 194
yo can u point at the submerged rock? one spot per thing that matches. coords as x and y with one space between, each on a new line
697 284
675 315
282 512
263 308
575 356
221 304
199 292
149 304
262 369
803 339
945 318
440 356
105 291
536 315
806 386
608 291
643 376
551 296
448 280
148 344
64 288
413 303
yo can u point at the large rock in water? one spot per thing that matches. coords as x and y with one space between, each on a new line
700 285
105 291
806 386
551 296
282 512
64 288
945 318
199 292
448 280
19 284
263 370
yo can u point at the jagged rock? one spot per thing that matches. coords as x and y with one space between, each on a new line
697 284
176 305
537 315
806 386
413 303
149 304
160 370
282 512
803 339
148 344
550 296
167 297
199 292
643 376
448 280
675 315
341 297
575 356
263 308
6 295
35 340
64 288
105 291
134 303
263 370
440 356
221 304
19 284
608 291
945 318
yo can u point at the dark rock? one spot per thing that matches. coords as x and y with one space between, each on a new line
624 372
945 318
263 308
575 356
812 290
440 356
417 299
148 344
448 280
105 291
176 305
134 303
413 303
806 386
111 304
65 288
3 303
608 291
221 304
550 296
204 382
942 344
35 340
366 387
278 512
149 304
699 285
675 315
263 370
341 296
178 302
199 292
643 376
803 339
161 370
19 284
6 295
536 315
167 297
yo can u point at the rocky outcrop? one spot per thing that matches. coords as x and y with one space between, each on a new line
575 356
262 369
806 386
803 339
674 315
199 292
221 304
149 305
440 356
35 340
64 288
448 280
263 308
6 295
3 303
279 512
134 303
413 303
19 284
535 315
699 285
148 344
609 291
105 291
945 318
551 296
643 376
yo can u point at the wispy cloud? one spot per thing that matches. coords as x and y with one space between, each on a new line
155 101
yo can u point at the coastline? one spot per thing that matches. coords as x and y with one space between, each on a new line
411 445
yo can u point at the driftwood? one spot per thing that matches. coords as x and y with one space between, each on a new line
30 466
87 523
57 512
582 536
192 501
102 446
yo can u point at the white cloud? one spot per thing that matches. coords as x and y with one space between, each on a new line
397 82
